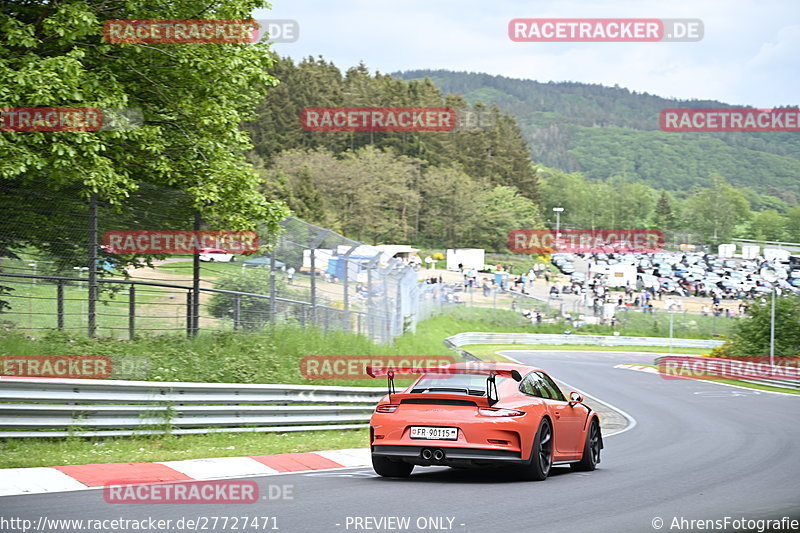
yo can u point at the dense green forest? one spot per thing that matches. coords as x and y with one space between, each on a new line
610 131
469 187
464 187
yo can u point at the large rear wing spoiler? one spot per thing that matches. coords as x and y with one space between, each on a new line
490 373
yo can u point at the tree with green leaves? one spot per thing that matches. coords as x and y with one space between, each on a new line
503 209
715 211
793 224
768 225
193 98
751 336
664 214
493 150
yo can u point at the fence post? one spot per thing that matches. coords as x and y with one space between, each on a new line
195 306
346 284
399 319
273 302
371 266
387 319
346 288
60 303
237 310
189 313
370 317
131 312
312 258
92 315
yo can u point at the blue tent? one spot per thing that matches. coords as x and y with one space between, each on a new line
263 261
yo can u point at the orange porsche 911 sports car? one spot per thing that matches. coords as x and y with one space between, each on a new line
482 414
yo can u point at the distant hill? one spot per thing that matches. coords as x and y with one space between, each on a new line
605 131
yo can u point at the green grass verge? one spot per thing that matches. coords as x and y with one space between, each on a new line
24 453
34 306
271 356
757 386
264 357
634 323
488 352
744 384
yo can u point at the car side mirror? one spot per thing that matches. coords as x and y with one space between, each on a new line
574 398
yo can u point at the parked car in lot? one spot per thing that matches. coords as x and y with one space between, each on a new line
482 414
215 255
578 277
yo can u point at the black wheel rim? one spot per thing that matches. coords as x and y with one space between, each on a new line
545 447
594 443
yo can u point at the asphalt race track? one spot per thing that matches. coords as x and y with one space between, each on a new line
697 451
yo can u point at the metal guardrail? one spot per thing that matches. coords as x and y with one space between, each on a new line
89 408
463 339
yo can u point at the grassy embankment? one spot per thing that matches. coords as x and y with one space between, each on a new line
267 357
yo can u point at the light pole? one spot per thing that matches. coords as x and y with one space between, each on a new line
80 270
772 278
558 211
34 264
671 320
772 331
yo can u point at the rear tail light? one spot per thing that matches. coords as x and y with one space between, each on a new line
386 408
497 411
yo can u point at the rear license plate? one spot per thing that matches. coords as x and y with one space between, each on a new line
432 433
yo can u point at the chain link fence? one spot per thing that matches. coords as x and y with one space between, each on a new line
56 274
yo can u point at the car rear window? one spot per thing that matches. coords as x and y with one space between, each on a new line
472 384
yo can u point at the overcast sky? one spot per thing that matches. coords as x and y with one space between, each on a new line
750 54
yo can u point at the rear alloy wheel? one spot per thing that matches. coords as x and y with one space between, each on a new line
591 449
541 460
385 467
